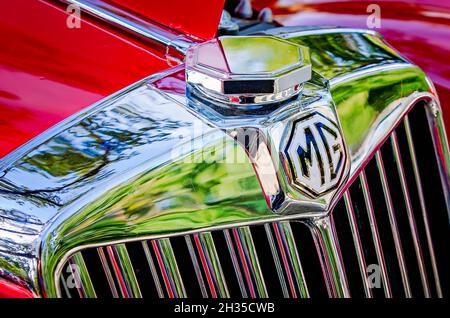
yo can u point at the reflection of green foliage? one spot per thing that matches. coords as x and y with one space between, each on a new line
61 164
336 54
179 196
15 269
260 54
359 102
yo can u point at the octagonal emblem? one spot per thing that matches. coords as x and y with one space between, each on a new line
315 154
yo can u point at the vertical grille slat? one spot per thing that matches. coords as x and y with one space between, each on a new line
294 258
169 268
247 252
284 257
358 244
107 271
198 274
123 270
276 260
423 127
411 218
394 215
424 211
330 257
375 235
153 270
235 262
211 265
393 225
84 277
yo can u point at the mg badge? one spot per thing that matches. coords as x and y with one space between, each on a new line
315 154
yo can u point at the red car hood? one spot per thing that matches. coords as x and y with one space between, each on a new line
49 71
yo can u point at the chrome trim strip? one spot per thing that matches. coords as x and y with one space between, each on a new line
367 71
211 264
411 219
169 268
294 259
132 23
107 271
123 270
235 262
330 256
394 228
375 234
439 136
285 259
201 282
152 267
276 259
412 153
86 283
297 31
358 245
249 256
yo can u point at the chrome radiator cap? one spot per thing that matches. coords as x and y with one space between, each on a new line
247 70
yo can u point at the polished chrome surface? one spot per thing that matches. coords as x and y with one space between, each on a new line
288 248
175 44
362 265
247 70
412 153
152 267
154 161
329 252
393 223
376 235
411 218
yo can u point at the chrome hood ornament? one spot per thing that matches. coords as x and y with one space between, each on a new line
315 154
250 86
248 69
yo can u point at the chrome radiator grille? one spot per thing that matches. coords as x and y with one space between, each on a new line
391 227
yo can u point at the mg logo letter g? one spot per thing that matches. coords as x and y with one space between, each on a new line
315 154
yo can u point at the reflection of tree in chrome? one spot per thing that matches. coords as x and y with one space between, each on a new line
334 54
81 153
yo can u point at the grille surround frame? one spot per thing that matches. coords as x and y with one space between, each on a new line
337 283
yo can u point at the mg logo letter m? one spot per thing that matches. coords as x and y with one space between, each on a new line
315 154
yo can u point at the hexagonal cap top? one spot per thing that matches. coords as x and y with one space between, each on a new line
259 69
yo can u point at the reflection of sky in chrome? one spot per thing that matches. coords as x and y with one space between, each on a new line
255 54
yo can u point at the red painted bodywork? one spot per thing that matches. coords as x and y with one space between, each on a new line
419 29
11 290
197 18
49 72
